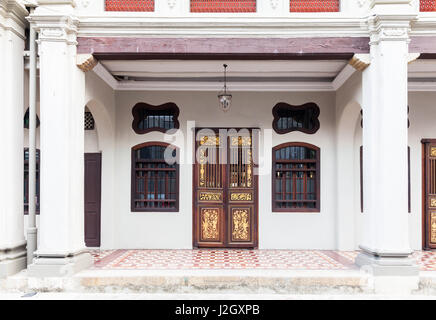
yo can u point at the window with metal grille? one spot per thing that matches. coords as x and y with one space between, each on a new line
223 6
288 118
427 5
130 5
26 181
147 118
89 121
155 177
26 120
296 178
314 5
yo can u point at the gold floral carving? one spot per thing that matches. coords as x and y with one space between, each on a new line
86 62
249 170
241 225
210 196
202 161
244 196
433 202
433 227
241 141
209 224
210 141
433 151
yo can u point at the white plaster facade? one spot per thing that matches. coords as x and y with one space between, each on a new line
381 90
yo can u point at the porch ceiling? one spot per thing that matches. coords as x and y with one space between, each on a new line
245 75
207 75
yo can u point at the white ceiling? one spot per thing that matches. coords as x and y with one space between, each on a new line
245 75
236 68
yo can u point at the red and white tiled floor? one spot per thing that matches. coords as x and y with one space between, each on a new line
237 259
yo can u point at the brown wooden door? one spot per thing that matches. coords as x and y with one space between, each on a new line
92 199
225 189
429 199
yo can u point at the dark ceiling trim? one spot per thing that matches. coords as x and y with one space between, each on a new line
116 48
426 45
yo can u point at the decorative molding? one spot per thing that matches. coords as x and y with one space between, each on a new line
274 4
360 61
172 3
57 2
210 224
85 3
55 28
240 224
241 196
13 17
86 62
413 57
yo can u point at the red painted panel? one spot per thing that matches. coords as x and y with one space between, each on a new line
223 5
130 5
427 5
314 5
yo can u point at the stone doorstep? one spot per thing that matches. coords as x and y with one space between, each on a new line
344 282
196 281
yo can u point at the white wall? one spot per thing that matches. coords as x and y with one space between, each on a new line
174 230
422 117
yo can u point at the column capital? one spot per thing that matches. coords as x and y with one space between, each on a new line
55 28
13 17
390 20
389 28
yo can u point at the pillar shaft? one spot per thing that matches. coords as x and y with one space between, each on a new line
61 249
12 242
385 141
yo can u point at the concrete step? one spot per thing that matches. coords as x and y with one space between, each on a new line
239 282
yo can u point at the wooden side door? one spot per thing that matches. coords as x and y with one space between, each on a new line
92 199
429 194
225 190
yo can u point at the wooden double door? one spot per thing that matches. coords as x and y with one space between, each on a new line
225 188
429 192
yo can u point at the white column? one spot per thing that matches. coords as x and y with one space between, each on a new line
385 138
12 243
61 249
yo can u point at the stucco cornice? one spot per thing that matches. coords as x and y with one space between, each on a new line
137 25
57 2
13 16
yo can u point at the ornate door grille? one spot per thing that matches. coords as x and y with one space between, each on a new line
225 189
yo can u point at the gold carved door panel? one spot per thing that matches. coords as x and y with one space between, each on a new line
429 214
225 189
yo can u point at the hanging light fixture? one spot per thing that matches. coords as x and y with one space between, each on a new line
224 97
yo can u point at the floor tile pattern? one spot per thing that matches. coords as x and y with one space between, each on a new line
237 259
220 259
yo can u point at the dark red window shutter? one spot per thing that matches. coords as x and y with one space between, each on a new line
427 5
314 5
130 5
223 5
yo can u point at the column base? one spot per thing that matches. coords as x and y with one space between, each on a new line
387 264
56 266
12 260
